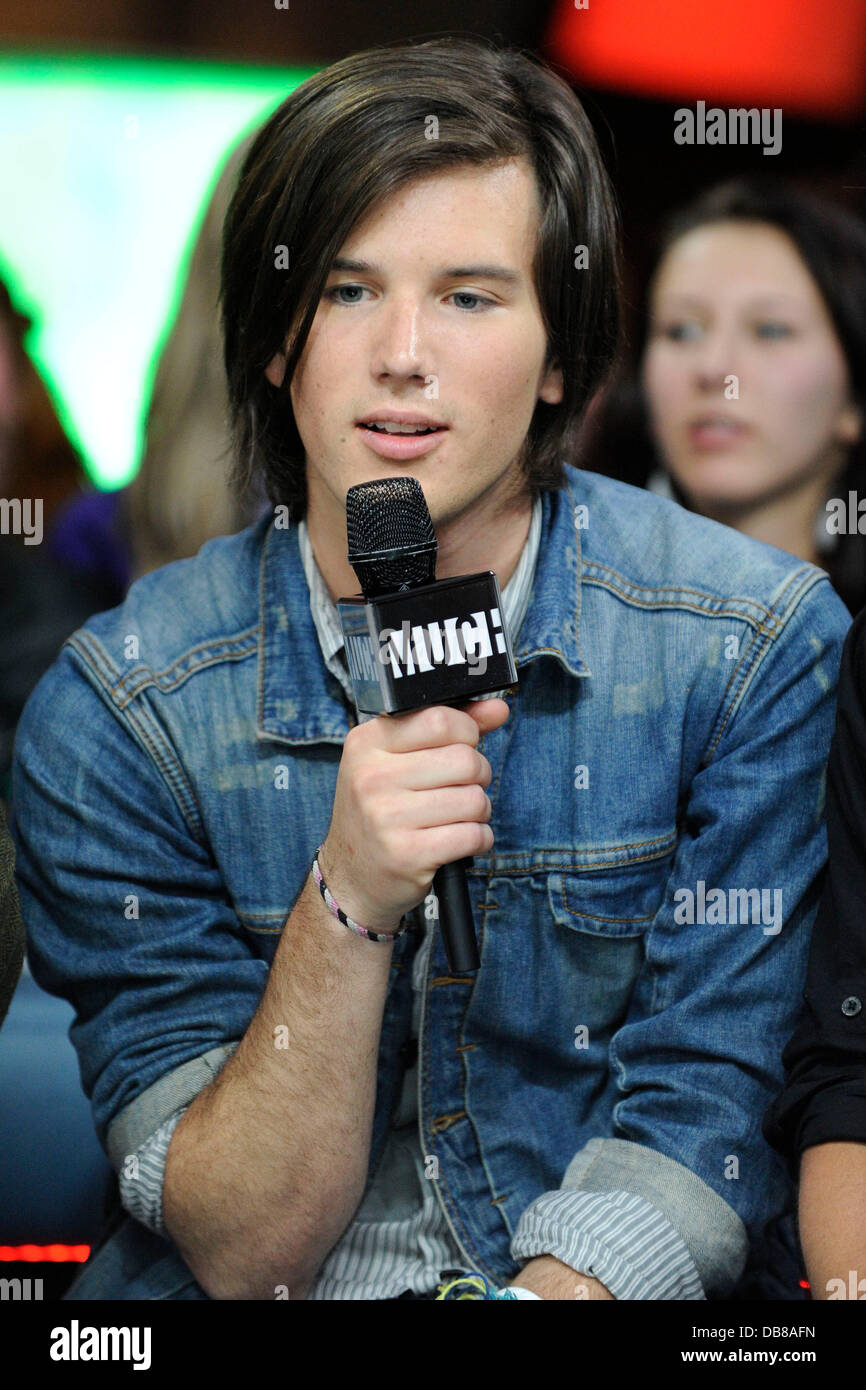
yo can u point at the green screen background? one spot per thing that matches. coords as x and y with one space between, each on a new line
106 166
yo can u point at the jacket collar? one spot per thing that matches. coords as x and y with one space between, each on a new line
551 625
299 701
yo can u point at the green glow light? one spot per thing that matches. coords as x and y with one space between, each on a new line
106 165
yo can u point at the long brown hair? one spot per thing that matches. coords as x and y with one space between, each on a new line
349 138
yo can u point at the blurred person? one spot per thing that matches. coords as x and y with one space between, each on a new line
40 603
819 1119
747 399
583 1102
37 460
182 494
96 541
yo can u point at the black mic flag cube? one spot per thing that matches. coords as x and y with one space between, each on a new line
435 644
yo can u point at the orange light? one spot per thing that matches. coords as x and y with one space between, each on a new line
808 58
44 1254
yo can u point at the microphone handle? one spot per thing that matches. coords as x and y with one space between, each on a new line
455 916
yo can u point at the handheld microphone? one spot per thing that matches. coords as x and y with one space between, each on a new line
412 640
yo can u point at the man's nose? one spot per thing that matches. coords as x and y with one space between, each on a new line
398 347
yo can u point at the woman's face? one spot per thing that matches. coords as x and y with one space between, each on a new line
746 382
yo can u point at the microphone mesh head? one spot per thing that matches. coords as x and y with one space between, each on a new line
392 544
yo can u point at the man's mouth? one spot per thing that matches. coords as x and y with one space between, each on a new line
388 428
401 439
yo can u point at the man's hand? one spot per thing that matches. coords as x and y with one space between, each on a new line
550 1278
409 797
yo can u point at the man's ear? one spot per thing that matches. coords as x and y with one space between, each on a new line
551 389
276 369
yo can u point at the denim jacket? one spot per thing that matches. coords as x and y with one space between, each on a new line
643 916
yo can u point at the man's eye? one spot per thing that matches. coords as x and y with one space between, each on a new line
336 293
771 328
476 300
352 294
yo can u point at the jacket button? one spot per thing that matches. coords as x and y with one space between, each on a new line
851 1006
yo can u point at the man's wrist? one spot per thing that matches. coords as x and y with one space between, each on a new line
367 915
550 1278
338 895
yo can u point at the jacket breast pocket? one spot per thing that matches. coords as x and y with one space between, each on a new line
614 902
598 921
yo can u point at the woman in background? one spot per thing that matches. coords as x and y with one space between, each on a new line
97 542
40 604
182 494
747 402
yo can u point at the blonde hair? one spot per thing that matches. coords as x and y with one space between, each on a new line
182 494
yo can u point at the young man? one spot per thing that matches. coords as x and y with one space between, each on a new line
425 236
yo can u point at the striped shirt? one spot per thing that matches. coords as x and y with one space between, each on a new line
400 1238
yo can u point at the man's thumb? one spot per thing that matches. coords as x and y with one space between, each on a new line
488 714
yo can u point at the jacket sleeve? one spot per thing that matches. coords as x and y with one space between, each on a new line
698 1056
824 1098
126 912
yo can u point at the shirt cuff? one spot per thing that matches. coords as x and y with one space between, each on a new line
615 1237
712 1233
141 1175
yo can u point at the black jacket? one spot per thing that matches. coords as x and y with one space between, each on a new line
825 1092
11 928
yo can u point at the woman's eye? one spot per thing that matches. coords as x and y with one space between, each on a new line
683 331
335 294
772 329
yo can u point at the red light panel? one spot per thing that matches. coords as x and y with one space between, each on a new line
44 1254
808 58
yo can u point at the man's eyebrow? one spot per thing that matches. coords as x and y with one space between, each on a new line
454 272
482 272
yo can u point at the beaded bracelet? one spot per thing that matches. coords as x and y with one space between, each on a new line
476 1286
338 912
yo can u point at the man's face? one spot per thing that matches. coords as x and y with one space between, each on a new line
435 318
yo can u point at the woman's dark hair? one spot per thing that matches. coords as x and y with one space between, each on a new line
349 138
36 458
832 244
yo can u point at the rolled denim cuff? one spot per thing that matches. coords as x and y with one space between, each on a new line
142 1174
171 1093
711 1232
